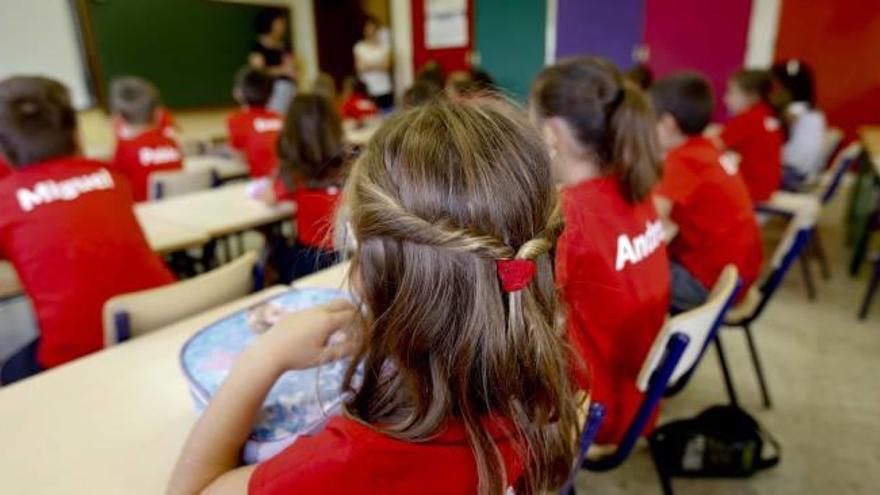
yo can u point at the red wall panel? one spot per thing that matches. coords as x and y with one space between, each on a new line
841 40
451 59
707 36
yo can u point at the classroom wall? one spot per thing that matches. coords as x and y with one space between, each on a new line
451 59
599 27
40 37
841 40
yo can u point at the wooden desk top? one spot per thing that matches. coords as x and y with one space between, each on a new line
113 422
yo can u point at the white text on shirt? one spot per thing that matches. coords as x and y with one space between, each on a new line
635 250
48 191
158 156
267 125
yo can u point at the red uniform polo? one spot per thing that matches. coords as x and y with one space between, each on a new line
358 107
347 457
713 211
613 271
68 227
315 212
148 152
757 136
254 131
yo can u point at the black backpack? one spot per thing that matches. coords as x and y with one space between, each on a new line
722 441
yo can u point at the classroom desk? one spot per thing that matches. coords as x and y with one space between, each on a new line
165 237
9 283
111 423
218 212
359 136
226 168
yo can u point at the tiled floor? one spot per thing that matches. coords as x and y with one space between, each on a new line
823 368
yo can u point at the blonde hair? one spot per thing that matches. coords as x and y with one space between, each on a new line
440 194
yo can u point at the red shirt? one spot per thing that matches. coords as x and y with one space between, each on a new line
358 107
713 211
164 121
68 227
315 211
148 152
347 457
613 273
254 131
757 136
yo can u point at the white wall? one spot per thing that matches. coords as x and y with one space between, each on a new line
39 37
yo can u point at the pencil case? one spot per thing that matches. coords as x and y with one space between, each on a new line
299 403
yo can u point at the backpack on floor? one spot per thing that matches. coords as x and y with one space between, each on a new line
299 403
722 441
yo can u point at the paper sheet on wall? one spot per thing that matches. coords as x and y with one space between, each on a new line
446 23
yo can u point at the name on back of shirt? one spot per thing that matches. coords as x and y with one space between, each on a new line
267 125
158 156
634 250
49 191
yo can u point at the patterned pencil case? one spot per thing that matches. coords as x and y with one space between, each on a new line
299 403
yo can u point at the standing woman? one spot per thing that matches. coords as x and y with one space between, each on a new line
372 61
795 99
272 52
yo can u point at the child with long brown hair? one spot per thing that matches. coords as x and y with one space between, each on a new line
611 262
465 385
311 166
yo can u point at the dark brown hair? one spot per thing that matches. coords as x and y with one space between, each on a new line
254 85
441 193
134 99
421 92
754 82
37 120
310 147
686 96
609 116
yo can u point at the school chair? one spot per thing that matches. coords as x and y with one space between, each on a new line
134 314
797 235
830 144
787 204
673 357
595 416
179 182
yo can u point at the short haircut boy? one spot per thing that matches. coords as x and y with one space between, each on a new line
686 96
754 81
134 99
37 120
254 85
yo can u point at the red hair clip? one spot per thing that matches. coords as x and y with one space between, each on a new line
515 274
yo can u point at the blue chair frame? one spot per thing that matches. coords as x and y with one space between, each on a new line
595 416
767 289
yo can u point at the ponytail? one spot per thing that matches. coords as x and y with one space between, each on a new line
610 117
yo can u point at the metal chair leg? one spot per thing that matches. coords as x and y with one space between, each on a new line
808 277
759 370
662 472
821 257
872 289
725 371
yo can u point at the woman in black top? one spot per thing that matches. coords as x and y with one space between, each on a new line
271 51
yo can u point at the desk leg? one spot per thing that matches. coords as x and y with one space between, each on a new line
864 238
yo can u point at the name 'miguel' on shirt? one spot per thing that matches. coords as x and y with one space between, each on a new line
635 250
49 191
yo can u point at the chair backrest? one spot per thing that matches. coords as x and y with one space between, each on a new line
831 142
834 176
137 313
175 183
699 324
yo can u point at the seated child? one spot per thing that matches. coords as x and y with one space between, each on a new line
146 148
253 129
753 132
611 263
421 93
356 103
164 121
311 171
67 224
708 202
465 386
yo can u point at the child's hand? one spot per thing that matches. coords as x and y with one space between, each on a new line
302 339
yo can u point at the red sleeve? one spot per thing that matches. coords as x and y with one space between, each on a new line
678 183
317 464
735 131
237 138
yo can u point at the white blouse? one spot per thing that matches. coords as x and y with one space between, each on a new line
804 150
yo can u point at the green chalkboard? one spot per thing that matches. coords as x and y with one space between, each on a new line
190 49
510 41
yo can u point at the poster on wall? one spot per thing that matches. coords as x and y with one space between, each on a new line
446 24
